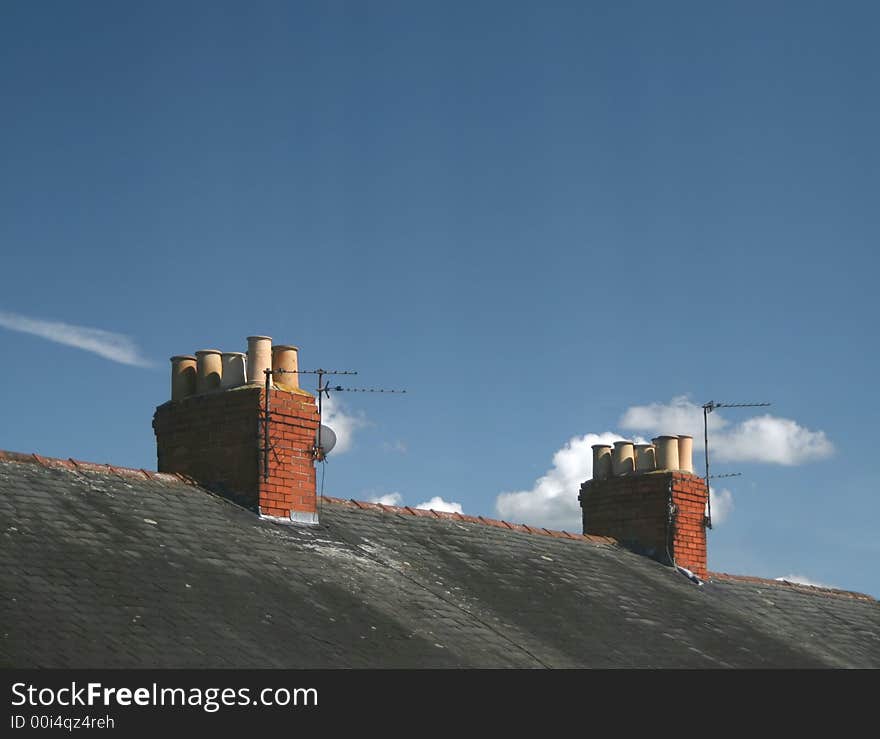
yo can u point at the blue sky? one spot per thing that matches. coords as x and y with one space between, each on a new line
546 221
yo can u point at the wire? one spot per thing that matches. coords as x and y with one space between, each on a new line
671 515
340 389
321 495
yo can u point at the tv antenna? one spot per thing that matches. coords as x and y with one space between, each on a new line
707 409
324 388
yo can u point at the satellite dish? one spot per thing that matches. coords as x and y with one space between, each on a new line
327 440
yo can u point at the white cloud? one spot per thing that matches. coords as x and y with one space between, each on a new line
435 504
387 499
759 439
112 346
438 504
722 505
552 501
678 416
343 423
771 439
801 580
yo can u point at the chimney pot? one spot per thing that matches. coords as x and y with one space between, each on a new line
259 358
686 453
601 461
646 460
233 369
623 458
183 376
286 357
667 452
209 370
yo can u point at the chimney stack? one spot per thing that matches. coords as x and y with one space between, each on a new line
213 430
653 504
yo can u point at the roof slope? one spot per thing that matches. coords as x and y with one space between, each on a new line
106 568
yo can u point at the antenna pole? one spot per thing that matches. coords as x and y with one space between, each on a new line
318 446
706 409
266 410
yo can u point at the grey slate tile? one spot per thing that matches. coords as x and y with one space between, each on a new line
87 582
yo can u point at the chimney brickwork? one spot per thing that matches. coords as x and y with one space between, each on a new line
217 439
635 510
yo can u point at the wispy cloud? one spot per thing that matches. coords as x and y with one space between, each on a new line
765 438
112 346
398 446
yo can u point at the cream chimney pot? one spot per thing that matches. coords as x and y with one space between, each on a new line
285 357
183 376
646 460
667 452
686 453
233 369
209 370
623 458
259 358
601 461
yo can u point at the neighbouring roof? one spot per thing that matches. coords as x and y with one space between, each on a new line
106 567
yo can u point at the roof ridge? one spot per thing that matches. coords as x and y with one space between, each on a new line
78 465
452 516
802 587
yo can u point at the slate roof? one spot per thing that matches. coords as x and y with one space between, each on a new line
103 567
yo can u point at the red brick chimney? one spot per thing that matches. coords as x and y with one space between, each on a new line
657 512
217 438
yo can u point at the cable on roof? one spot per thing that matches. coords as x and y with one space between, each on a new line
321 494
671 516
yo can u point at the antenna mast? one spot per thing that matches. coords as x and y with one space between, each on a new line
707 409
